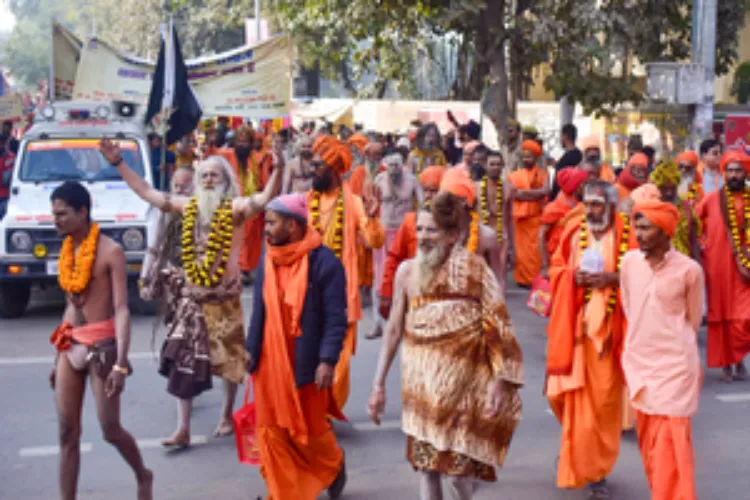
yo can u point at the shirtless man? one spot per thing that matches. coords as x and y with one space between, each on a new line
490 199
457 182
205 297
94 338
427 152
400 191
298 176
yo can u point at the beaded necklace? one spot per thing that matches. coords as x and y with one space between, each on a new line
584 243
219 243
338 237
741 250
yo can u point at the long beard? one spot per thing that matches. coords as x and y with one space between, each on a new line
208 201
598 226
685 184
396 178
372 166
428 263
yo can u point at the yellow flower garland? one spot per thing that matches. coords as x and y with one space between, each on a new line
584 243
338 236
740 249
498 205
472 243
219 242
75 269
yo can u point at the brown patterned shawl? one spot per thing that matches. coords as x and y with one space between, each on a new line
458 340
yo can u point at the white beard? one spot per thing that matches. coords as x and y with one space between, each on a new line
208 201
685 183
428 263
604 224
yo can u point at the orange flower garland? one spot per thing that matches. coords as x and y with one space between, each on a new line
498 206
472 244
75 268
338 235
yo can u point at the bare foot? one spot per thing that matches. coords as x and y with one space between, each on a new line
376 333
225 428
726 374
146 486
740 372
180 439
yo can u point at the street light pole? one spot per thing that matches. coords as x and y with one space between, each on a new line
704 52
257 21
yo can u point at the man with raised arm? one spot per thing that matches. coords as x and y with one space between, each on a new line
93 339
205 335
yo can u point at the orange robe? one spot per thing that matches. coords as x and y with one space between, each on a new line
366 265
299 454
666 446
556 215
403 247
607 174
584 381
622 192
356 224
728 297
527 219
260 166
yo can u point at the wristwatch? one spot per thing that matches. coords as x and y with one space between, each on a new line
120 369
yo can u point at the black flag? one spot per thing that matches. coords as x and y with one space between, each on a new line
170 90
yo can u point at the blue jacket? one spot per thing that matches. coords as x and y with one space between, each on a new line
323 320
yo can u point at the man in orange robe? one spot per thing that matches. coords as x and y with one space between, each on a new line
404 244
529 190
726 263
691 182
342 218
253 164
294 341
592 153
365 174
662 297
633 175
585 333
557 214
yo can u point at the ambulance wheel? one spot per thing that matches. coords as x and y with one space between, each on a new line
14 298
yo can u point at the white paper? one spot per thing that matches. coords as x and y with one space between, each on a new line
592 261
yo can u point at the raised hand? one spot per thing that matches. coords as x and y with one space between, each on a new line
371 195
110 151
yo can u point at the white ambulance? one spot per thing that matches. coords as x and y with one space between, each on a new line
62 145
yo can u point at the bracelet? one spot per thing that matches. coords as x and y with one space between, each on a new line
120 369
115 163
379 388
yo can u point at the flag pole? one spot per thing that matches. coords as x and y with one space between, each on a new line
165 112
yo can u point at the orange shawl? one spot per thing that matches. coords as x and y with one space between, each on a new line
527 178
284 288
567 302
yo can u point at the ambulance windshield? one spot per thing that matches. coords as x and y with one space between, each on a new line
74 159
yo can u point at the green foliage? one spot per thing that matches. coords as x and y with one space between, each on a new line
741 83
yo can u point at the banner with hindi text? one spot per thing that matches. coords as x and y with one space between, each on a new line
250 82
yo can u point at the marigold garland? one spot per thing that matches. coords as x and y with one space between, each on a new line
584 243
692 192
338 236
742 250
75 268
472 243
498 206
207 273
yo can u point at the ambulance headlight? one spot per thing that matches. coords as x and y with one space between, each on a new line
132 239
20 241
48 113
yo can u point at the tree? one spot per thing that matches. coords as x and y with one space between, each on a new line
591 45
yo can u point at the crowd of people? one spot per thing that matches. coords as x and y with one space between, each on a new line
422 230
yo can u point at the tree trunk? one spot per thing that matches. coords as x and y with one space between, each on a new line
495 103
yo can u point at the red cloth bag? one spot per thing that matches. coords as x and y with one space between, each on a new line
244 430
540 298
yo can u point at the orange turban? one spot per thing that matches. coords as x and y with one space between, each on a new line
637 159
358 140
432 175
457 182
569 179
688 157
532 147
646 192
246 132
734 157
661 214
590 142
334 153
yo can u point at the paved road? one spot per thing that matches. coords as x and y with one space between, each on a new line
377 469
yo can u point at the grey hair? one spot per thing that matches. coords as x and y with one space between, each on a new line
599 187
232 188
